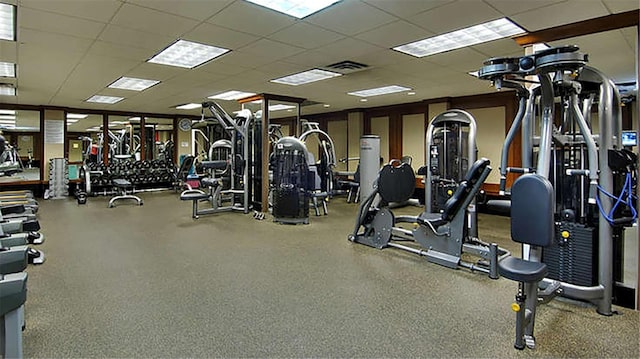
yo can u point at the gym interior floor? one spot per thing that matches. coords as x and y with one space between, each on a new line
149 281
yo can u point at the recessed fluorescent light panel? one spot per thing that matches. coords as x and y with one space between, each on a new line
189 106
7 112
71 120
76 116
280 107
306 77
132 83
489 31
8 117
232 95
7 69
7 22
295 8
105 99
379 91
540 46
7 90
187 54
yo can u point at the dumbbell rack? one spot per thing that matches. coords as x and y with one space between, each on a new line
58 178
147 175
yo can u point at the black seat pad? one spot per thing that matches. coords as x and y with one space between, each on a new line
194 196
396 184
209 182
216 165
521 270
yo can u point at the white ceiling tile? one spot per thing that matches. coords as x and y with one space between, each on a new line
52 41
100 11
560 14
499 48
198 10
242 59
134 38
394 34
616 6
314 58
55 23
223 68
152 71
351 17
246 17
103 48
455 16
94 73
381 58
349 47
8 51
406 8
306 35
511 7
153 21
462 59
271 49
279 69
219 36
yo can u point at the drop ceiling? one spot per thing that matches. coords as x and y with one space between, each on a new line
70 50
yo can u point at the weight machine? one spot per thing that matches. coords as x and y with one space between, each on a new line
242 132
440 236
565 208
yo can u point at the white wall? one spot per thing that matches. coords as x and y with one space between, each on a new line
355 127
490 137
338 131
413 138
380 127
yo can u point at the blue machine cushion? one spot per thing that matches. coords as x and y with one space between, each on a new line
521 270
452 206
532 210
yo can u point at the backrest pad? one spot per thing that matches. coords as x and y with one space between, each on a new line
532 210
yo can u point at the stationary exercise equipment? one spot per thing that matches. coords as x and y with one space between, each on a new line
441 237
451 146
591 175
291 179
10 162
237 167
13 295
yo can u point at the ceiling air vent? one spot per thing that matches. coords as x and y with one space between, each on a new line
346 67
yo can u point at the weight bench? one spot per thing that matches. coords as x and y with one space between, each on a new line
214 185
121 186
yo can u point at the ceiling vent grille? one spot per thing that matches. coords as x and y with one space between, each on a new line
346 67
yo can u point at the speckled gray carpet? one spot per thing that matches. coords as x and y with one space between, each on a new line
151 282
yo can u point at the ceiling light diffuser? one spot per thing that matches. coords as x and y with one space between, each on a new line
132 83
189 106
488 31
105 99
7 90
7 69
7 112
187 54
72 120
232 95
8 117
306 77
379 91
7 22
280 107
295 8
76 116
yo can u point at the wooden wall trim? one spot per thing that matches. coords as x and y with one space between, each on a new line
580 28
395 136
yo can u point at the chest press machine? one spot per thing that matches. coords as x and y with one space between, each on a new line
564 214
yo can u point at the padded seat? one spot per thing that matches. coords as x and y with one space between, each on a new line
521 270
194 196
216 165
210 182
